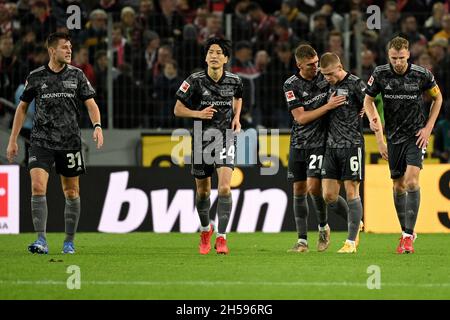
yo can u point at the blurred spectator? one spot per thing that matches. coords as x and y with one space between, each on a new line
165 54
409 29
101 73
318 37
110 6
283 33
368 64
417 49
166 85
43 22
263 26
336 45
131 30
213 29
334 20
242 27
242 65
418 8
441 146
262 61
189 53
269 85
37 58
425 61
200 17
144 62
10 71
433 23
390 25
121 49
146 10
167 22
297 20
26 44
9 24
81 60
441 64
185 9
95 31
445 32
127 99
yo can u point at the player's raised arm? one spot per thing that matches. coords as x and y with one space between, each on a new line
94 115
424 133
19 118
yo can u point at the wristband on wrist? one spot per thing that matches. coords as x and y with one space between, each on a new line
97 124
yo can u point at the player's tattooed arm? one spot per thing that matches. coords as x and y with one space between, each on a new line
372 113
19 117
423 135
375 124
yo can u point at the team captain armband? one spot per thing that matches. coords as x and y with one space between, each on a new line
434 91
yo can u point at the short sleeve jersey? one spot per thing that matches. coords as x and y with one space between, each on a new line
199 91
345 123
402 99
57 101
309 94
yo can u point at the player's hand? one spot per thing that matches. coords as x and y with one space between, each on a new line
207 113
12 151
424 135
236 125
335 101
98 136
361 113
374 125
382 148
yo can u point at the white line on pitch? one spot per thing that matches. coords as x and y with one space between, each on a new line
219 283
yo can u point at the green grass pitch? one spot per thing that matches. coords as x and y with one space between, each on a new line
168 266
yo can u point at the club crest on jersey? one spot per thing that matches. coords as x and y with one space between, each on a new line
411 87
184 87
226 93
290 95
70 84
370 82
342 92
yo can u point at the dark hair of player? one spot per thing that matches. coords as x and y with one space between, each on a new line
224 44
52 40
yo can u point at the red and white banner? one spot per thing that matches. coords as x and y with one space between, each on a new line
9 199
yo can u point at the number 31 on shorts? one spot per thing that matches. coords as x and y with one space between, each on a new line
74 159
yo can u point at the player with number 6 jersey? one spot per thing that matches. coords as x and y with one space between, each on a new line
344 155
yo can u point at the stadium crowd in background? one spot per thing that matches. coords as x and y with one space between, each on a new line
157 43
